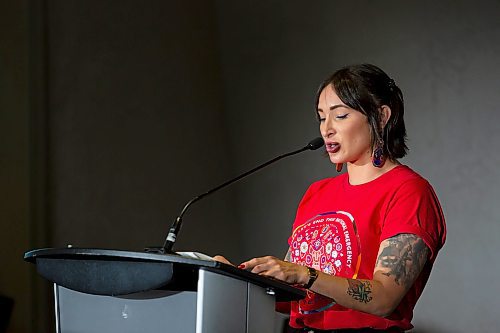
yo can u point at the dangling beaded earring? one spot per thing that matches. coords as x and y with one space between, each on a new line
378 158
339 167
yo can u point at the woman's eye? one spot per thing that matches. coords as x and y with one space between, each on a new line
321 120
341 116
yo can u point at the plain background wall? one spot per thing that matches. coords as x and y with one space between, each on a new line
136 124
113 116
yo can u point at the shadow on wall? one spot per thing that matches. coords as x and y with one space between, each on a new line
6 306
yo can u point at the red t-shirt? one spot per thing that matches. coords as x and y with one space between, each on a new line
338 230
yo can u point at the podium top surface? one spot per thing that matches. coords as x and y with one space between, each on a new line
119 272
112 255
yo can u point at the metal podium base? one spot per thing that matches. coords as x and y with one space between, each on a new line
220 305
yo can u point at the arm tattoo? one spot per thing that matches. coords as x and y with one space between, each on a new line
359 290
404 256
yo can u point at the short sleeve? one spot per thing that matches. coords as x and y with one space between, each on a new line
415 209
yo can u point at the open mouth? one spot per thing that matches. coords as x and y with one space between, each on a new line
332 147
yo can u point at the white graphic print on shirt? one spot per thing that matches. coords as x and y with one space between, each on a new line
328 242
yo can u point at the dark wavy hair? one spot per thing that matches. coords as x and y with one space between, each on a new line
366 88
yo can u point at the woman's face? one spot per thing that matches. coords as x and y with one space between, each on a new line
346 131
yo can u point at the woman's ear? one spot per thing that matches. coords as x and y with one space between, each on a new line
385 115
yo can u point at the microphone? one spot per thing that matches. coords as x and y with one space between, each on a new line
176 226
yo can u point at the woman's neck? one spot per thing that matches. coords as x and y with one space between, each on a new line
361 174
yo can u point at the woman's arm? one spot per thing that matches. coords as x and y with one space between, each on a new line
400 260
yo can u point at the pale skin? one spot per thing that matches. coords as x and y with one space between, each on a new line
400 258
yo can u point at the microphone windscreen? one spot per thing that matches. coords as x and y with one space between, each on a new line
315 143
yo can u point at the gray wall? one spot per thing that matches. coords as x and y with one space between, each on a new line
136 108
136 124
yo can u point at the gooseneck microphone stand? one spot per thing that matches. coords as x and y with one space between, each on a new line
176 226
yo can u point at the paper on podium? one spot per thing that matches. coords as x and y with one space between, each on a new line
196 255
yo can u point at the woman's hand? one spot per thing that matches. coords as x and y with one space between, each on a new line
273 267
222 260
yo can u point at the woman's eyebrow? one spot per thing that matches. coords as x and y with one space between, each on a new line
333 107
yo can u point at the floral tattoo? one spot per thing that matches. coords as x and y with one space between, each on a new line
360 290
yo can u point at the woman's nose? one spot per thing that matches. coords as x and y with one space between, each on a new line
326 128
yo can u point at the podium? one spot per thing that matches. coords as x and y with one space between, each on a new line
98 290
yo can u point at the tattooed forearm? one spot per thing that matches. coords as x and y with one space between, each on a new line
403 257
360 290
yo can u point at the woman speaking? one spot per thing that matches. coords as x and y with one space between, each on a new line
363 243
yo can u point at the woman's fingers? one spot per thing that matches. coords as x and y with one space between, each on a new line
222 260
269 266
274 267
255 265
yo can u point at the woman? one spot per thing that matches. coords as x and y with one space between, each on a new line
364 242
